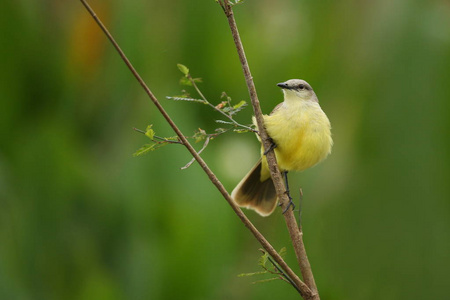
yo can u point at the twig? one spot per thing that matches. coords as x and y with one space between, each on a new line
214 107
294 232
208 138
261 239
138 130
158 137
286 277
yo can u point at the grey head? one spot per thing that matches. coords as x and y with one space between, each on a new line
299 88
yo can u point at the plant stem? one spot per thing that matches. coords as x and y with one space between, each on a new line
294 231
208 138
215 108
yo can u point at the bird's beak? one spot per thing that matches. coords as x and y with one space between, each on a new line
283 85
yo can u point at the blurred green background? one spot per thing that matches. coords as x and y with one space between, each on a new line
81 218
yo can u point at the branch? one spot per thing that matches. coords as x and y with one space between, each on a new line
261 239
208 138
294 231
229 117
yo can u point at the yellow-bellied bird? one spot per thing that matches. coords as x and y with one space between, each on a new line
301 134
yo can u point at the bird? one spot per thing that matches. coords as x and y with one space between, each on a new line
301 138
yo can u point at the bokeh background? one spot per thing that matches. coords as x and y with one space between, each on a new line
81 218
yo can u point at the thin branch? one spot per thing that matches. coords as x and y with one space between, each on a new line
261 239
294 232
139 130
214 107
208 138
288 279
161 139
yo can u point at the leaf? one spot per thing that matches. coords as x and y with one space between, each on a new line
185 81
240 104
200 135
150 132
238 107
241 130
224 122
185 99
144 149
183 69
282 252
263 259
218 131
252 274
172 138
236 2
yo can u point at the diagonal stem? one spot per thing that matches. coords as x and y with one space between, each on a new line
208 138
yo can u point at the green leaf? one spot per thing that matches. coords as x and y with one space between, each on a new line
150 132
185 81
200 135
224 122
238 107
227 109
240 104
220 130
172 138
238 130
149 147
252 274
185 99
263 259
236 2
183 69
144 149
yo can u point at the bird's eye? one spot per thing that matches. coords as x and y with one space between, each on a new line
301 86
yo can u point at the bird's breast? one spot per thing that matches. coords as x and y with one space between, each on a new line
302 136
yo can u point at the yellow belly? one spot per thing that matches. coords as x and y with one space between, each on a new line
302 135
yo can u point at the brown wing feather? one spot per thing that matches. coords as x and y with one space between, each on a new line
254 194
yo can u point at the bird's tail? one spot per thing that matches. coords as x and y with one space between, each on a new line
252 193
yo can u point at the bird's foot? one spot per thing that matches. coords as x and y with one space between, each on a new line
291 203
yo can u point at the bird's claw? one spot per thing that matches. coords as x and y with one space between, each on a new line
289 204
271 147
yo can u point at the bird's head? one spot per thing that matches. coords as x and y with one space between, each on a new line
297 88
